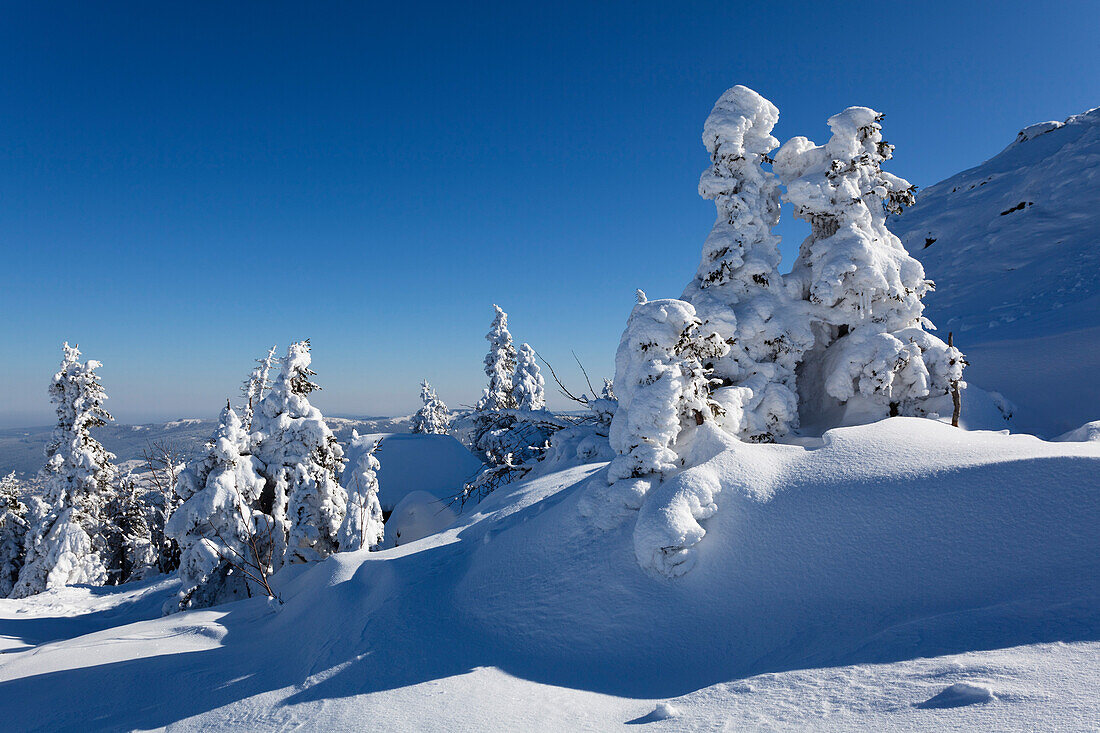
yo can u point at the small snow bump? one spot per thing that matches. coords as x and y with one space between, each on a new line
663 711
958 695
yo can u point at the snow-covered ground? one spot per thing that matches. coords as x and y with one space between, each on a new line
902 575
1013 247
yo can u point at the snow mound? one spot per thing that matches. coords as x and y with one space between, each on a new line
958 695
1090 431
416 516
436 464
1011 245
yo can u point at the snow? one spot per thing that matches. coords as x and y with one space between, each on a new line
1011 244
841 584
436 464
416 516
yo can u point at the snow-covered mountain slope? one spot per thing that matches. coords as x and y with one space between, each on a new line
901 575
1014 247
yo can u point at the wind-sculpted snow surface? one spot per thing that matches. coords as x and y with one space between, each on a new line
826 584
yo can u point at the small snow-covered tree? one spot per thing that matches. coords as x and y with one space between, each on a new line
128 534
738 291
661 384
865 291
223 541
254 387
528 385
78 478
13 532
432 418
363 524
302 462
500 364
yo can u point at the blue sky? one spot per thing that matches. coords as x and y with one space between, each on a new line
184 184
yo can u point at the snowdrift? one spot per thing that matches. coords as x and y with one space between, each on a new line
436 464
1011 245
902 539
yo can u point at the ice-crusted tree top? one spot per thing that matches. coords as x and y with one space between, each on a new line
254 387
78 468
500 364
229 441
433 417
741 252
851 265
528 384
289 391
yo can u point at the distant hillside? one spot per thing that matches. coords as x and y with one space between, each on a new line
22 449
1014 247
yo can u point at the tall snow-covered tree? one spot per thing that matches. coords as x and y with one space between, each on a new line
738 291
851 266
363 524
78 478
865 291
255 386
528 385
432 418
13 532
500 364
302 462
662 387
217 529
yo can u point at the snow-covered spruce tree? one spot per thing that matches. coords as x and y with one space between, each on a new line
254 387
224 543
528 385
861 284
363 524
500 364
303 463
432 418
738 291
662 387
13 532
128 535
78 478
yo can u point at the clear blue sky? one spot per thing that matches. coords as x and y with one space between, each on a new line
184 184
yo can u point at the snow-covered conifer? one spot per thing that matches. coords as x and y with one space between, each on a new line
432 418
661 385
13 532
303 463
528 385
851 266
216 526
738 291
78 479
500 364
127 532
254 387
363 525
863 288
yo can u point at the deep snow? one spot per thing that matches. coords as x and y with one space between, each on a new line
879 578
